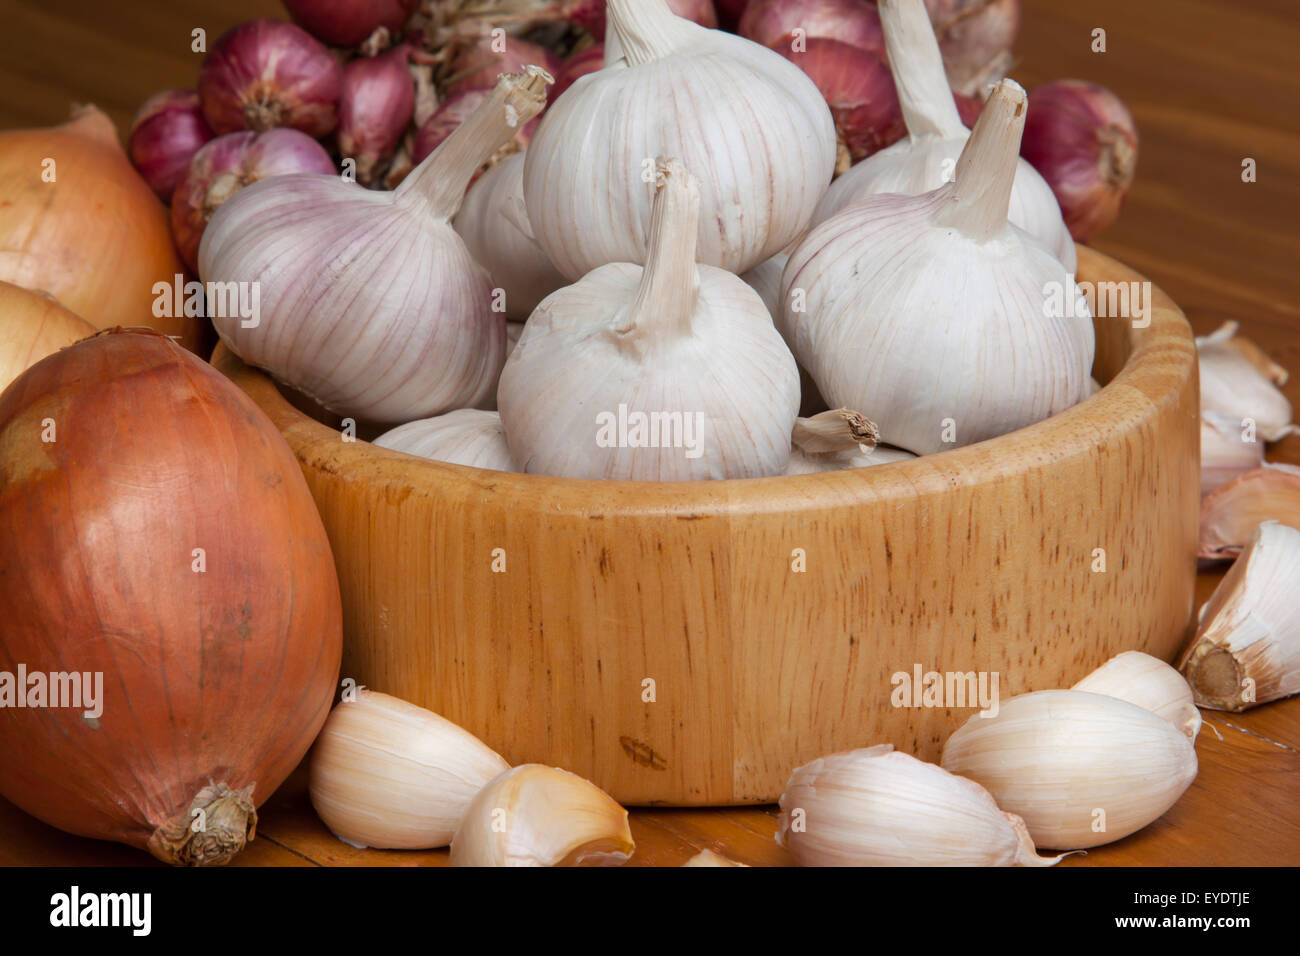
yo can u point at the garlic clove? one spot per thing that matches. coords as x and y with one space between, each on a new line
1081 769
1226 452
1247 645
542 816
1231 513
838 439
1257 357
1151 684
386 773
1233 385
468 437
709 858
878 807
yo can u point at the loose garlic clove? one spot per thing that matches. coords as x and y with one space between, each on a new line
466 437
1231 513
1247 645
1151 684
877 807
1257 357
671 372
386 773
541 816
1225 452
925 158
835 440
709 858
1081 769
1233 385
912 307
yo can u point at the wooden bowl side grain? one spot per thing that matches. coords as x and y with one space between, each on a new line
978 559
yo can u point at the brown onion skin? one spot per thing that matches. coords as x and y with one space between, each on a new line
1083 140
224 676
859 89
349 23
265 74
166 133
855 22
375 110
245 158
450 114
974 35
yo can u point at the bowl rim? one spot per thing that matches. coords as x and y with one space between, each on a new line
1162 356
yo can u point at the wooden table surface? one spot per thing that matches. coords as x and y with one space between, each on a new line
1210 82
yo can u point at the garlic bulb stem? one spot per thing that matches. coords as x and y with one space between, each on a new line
646 29
917 64
444 178
978 202
670 284
836 431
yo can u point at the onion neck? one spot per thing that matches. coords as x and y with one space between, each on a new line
226 824
92 123
670 284
978 202
914 58
442 179
646 29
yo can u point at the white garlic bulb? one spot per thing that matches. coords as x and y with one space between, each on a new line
1150 683
927 157
1234 386
838 439
541 816
748 124
494 224
672 372
386 773
946 323
1081 769
878 807
765 279
1247 645
369 302
467 436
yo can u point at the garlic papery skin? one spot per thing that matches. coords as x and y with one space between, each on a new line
1247 645
1231 513
838 439
944 322
369 302
494 225
386 773
878 807
541 816
467 436
1226 452
927 157
746 122
1150 683
1081 769
1233 385
673 372
709 858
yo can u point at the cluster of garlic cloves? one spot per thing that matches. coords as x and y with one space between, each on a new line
912 307
926 158
1247 645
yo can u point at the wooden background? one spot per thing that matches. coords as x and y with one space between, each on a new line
1210 82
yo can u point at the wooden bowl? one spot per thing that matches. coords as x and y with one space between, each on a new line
657 639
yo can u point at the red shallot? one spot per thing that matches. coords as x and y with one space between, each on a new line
976 37
166 133
348 23
376 108
854 22
451 114
477 66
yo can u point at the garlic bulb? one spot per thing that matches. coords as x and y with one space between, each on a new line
927 157
1247 645
835 440
877 807
1151 684
934 313
467 436
1225 451
1233 384
765 279
673 372
540 816
494 225
1231 513
370 304
743 119
709 858
386 773
1082 769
